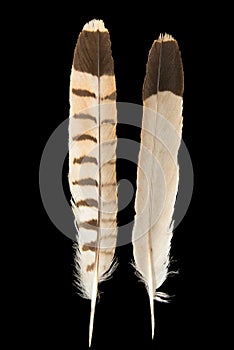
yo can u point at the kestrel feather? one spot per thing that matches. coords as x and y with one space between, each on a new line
158 170
92 159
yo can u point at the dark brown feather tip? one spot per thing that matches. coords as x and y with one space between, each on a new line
93 53
164 69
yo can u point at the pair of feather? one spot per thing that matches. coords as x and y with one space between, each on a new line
92 162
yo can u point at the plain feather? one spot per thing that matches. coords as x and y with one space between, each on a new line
158 170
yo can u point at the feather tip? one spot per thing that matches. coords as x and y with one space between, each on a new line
95 25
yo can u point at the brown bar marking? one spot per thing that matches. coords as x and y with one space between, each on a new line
83 93
111 96
85 117
84 137
90 267
89 202
90 246
108 121
89 225
86 182
109 184
85 159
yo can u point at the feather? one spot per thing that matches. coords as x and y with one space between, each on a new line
158 171
92 159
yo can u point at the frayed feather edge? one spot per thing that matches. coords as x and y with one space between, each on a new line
159 296
77 282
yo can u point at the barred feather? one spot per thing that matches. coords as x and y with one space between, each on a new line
158 170
92 158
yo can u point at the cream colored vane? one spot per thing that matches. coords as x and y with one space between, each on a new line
92 159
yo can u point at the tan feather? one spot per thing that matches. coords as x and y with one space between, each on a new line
92 158
158 170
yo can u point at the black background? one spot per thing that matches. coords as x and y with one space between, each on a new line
57 315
